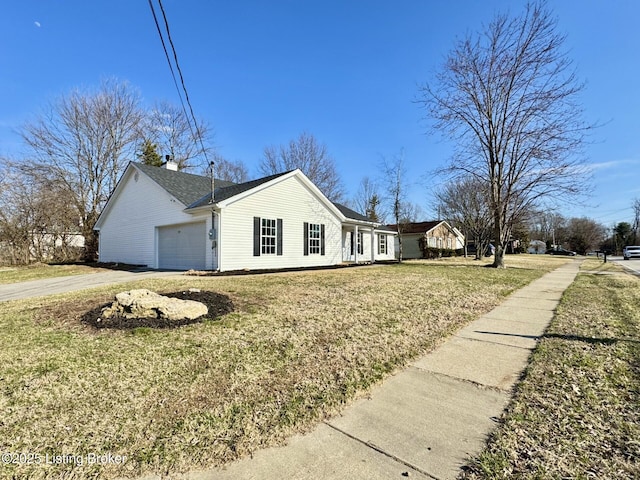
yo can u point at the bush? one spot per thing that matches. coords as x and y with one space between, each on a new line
431 252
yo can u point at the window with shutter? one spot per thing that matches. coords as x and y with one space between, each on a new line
314 243
267 236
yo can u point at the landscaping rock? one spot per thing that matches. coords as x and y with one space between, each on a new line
144 303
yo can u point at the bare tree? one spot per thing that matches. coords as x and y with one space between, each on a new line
636 220
30 229
309 156
585 234
508 98
84 141
174 134
464 203
395 174
232 171
368 200
548 226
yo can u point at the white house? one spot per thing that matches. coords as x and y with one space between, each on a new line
166 219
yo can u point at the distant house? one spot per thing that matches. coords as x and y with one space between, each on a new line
166 219
438 234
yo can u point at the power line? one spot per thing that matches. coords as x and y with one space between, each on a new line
195 131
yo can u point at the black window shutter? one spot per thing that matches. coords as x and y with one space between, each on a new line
378 244
256 236
279 237
306 238
352 244
322 239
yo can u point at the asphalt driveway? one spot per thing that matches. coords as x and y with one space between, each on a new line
51 286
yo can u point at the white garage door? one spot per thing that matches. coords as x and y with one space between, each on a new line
182 247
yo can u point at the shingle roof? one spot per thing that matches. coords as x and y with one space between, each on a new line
419 227
195 190
351 214
185 187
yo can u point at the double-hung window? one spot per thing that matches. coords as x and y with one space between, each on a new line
268 236
314 238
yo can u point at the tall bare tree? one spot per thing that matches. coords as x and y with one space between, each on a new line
395 174
310 156
84 141
173 132
508 97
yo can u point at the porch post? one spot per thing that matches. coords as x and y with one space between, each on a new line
355 247
373 244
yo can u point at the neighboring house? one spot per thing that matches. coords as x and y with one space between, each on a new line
165 219
439 234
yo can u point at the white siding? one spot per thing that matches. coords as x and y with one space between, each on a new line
128 231
291 201
391 247
365 256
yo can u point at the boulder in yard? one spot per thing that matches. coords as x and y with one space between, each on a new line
143 303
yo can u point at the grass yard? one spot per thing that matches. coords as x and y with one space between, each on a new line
42 270
297 348
576 413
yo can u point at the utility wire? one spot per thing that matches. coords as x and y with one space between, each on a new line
195 131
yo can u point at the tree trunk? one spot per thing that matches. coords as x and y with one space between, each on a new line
90 252
498 257
479 247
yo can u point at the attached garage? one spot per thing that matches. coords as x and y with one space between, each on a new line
182 247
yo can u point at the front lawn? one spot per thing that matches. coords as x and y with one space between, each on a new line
576 414
298 347
42 270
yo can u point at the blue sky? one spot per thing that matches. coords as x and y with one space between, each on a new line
348 72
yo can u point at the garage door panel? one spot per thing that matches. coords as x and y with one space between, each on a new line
182 247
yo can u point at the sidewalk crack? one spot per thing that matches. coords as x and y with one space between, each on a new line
380 450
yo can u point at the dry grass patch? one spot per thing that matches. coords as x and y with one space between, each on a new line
576 414
298 348
42 270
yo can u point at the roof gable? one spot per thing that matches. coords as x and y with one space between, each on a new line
225 192
244 190
194 191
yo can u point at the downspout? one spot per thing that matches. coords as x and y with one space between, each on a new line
214 232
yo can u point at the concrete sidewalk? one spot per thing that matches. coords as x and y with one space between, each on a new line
427 420
51 286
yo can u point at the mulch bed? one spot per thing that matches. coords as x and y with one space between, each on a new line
217 303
